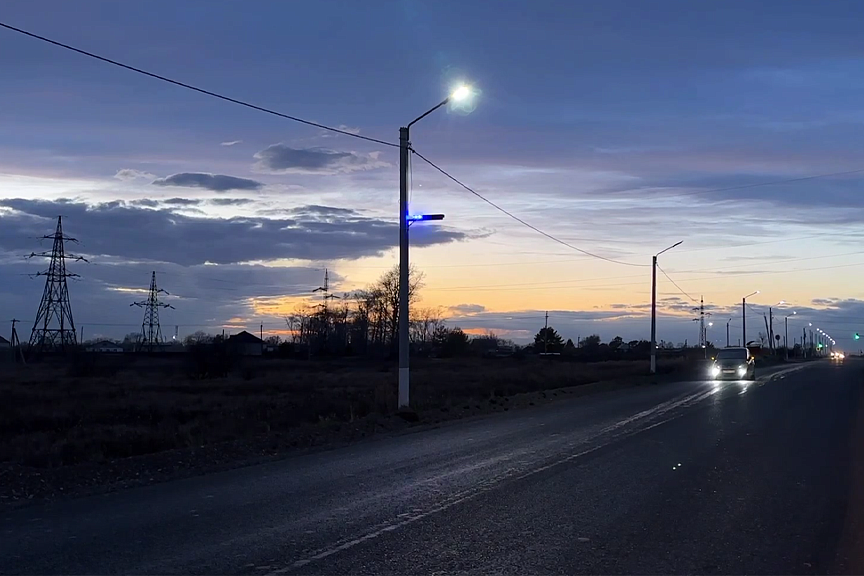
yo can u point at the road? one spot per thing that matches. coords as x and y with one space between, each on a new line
674 478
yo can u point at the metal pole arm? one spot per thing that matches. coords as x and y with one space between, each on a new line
445 101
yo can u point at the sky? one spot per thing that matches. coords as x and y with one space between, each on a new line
619 128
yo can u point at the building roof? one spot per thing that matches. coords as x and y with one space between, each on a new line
244 337
106 344
3 340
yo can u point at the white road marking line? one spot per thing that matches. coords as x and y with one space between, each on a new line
491 483
510 474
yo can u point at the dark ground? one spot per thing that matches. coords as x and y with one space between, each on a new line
97 423
677 478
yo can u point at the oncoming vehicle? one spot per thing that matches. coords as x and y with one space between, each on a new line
735 363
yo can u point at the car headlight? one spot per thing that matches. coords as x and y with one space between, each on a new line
742 370
715 370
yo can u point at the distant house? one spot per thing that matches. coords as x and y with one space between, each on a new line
245 344
5 344
105 347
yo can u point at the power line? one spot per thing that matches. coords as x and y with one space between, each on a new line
537 283
521 221
194 88
543 285
676 285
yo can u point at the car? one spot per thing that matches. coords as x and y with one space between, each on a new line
735 362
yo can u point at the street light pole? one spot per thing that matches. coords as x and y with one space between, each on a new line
654 307
404 151
786 337
654 314
727 332
705 338
404 144
744 317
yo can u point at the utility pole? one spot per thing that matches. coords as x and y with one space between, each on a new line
460 94
54 328
771 327
262 338
15 344
404 386
727 332
654 306
151 331
654 315
744 317
546 334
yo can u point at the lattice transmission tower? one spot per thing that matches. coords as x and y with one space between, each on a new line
151 331
54 329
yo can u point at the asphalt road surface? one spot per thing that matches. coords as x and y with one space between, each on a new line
766 477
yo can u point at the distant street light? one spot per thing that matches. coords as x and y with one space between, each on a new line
654 306
727 331
744 316
459 94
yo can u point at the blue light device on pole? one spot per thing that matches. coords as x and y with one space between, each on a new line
405 220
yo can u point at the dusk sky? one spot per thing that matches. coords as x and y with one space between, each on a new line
610 125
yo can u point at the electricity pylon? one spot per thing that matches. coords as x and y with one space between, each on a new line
151 332
54 329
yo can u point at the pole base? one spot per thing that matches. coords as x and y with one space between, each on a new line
408 415
403 388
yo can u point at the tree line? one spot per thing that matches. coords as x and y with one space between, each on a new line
366 323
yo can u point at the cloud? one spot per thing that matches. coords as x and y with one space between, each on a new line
282 159
231 143
204 297
127 174
181 201
126 231
230 201
214 182
467 309
145 202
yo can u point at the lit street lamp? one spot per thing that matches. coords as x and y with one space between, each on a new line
744 316
461 93
654 307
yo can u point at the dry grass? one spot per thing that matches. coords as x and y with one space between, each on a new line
52 416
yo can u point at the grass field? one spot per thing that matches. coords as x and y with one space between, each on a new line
58 415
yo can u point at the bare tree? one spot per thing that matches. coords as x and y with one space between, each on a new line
198 337
387 288
424 322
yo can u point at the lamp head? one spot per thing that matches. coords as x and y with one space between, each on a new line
461 93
